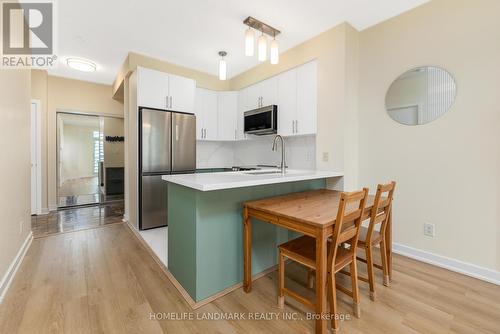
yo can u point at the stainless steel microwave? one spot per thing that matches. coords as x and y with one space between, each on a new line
262 121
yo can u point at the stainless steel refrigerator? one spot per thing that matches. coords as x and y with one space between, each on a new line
167 145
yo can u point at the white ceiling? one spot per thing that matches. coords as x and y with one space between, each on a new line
191 32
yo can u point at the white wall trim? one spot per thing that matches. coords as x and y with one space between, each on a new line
458 266
52 207
14 266
45 211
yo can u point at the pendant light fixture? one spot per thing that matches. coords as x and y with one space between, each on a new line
222 66
249 42
262 47
275 53
265 29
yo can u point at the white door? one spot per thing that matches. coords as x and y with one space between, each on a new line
210 119
152 88
182 92
269 91
287 102
306 99
228 108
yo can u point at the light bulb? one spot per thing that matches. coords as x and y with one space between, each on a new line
275 54
249 42
262 44
222 69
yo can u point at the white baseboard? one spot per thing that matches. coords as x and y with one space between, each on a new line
458 266
14 266
44 211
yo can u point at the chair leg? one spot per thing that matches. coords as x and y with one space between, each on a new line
371 276
332 295
281 281
310 278
355 290
385 268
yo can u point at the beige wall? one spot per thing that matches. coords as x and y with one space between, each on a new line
64 94
448 171
15 167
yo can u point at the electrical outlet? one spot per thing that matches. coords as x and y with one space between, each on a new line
325 156
429 230
21 227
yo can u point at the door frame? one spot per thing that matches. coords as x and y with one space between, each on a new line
37 134
74 112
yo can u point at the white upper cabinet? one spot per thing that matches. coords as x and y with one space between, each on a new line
287 102
240 120
297 100
206 114
161 90
181 92
227 112
307 104
152 88
261 94
252 97
268 91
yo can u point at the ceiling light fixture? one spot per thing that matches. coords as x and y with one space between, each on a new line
262 47
82 65
265 29
249 42
222 66
275 53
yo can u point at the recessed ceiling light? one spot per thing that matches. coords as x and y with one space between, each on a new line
80 64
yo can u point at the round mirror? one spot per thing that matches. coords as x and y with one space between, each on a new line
420 95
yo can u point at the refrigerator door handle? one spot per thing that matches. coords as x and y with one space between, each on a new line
176 132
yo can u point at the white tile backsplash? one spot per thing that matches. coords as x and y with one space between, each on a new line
214 154
300 152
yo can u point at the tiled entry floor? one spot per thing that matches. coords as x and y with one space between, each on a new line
75 219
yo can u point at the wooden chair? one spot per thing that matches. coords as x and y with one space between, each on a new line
370 237
303 251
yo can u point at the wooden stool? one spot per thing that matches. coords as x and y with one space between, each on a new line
303 251
369 237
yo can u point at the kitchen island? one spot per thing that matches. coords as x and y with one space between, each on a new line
205 233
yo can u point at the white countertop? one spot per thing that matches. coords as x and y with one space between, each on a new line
228 180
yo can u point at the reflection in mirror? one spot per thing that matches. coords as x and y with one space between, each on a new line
420 95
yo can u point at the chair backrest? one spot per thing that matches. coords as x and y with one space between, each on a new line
348 223
381 210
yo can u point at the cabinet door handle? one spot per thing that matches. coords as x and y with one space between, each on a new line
296 126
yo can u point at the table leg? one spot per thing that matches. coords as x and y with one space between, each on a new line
321 271
247 252
388 242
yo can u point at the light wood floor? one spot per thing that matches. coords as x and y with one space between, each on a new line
103 281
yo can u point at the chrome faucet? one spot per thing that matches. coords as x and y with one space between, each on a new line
283 163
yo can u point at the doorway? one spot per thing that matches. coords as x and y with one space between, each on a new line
90 162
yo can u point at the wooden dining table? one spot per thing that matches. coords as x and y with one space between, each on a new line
311 213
